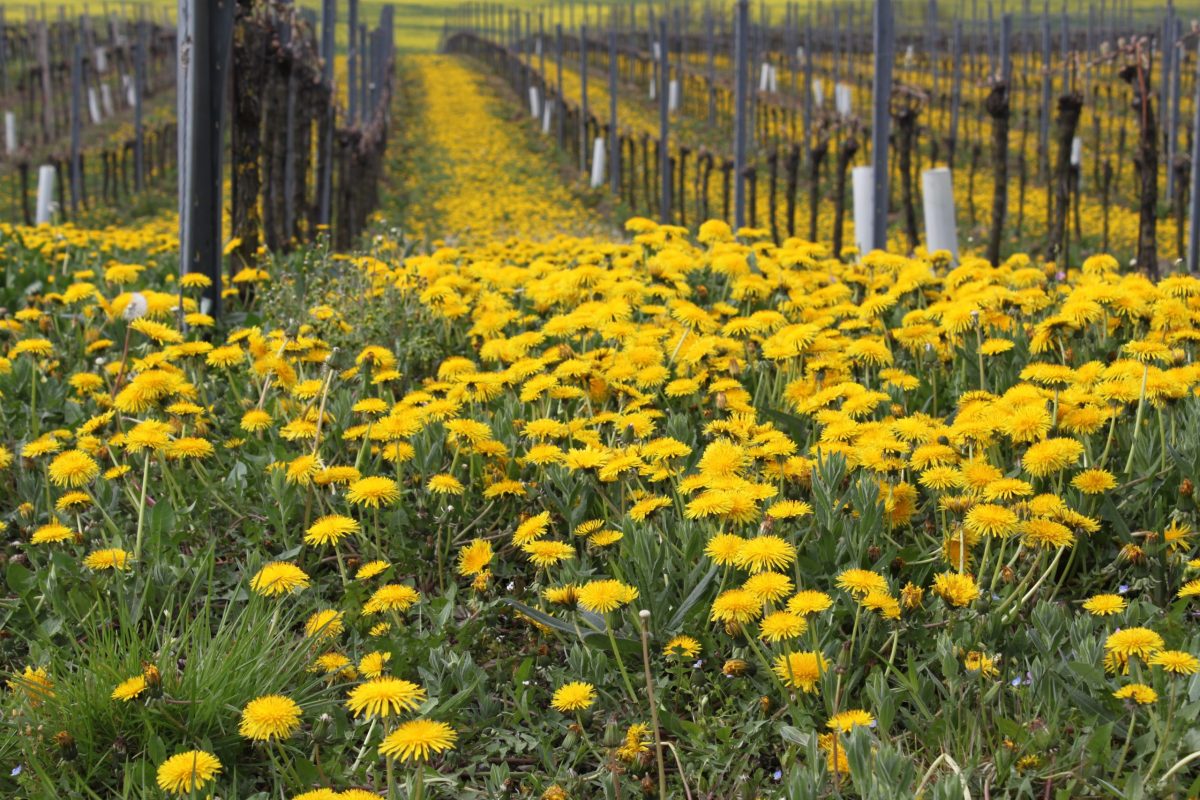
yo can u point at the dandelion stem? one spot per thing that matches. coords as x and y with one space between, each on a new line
612 640
137 546
1124 748
1137 419
1166 733
418 782
662 773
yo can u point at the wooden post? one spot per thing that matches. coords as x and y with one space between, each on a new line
583 99
664 120
1044 127
43 55
741 27
998 107
3 55
76 125
560 108
352 62
1193 253
139 90
884 47
204 33
614 139
1171 101
328 119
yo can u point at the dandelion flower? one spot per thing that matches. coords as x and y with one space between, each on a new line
370 570
416 740
576 696
1177 662
372 664
955 588
330 529
1103 605
724 548
1094 481
782 625
682 647
73 468
861 581
801 670
546 553
382 697
445 484
765 552
391 597
279 577
52 533
129 689
809 601
324 624
603 596
1128 643
474 557
113 558
184 773
736 606
850 719
1139 693
768 586
270 717
373 492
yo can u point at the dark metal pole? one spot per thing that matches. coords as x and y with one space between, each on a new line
884 46
204 33
741 33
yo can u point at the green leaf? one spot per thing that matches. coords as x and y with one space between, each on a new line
20 578
1090 673
691 600
793 735
592 639
1113 516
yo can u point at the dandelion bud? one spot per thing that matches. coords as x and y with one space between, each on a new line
612 735
911 596
153 680
764 704
736 667
66 745
1007 575
1186 488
